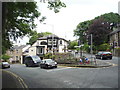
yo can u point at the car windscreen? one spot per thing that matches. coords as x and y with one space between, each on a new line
5 62
49 60
36 58
99 52
106 52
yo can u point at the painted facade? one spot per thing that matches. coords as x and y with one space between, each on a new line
48 44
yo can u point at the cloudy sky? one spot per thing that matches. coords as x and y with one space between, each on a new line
63 23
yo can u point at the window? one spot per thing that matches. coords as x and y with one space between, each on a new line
50 48
50 42
28 58
40 50
16 51
60 41
17 57
43 43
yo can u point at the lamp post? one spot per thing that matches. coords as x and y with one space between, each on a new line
90 42
52 35
91 46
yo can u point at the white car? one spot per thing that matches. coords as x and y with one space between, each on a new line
5 65
48 63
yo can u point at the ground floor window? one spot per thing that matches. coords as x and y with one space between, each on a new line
40 50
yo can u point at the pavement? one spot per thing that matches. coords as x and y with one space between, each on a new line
7 77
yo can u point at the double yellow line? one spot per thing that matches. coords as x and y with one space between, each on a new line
22 83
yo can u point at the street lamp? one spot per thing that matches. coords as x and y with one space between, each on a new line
91 44
52 35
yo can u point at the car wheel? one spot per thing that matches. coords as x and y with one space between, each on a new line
41 67
110 58
26 65
46 66
55 66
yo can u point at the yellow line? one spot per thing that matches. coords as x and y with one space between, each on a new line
19 79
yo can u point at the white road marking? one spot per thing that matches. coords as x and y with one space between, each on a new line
33 67
58 69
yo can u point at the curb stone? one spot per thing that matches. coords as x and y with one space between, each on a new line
20 80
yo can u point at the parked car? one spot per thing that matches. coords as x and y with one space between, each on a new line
5 65
48 63
32 61
103 55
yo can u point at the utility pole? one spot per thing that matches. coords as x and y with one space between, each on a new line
52 36
91 46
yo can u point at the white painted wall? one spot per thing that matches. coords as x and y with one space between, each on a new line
32 50
25 48
61 46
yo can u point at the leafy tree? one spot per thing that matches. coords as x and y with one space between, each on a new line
5 57
56 5
72 44
104 47
113 19
18 19
99 30
81 30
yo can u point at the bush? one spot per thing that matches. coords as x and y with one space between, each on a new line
104 47
5 57
49 55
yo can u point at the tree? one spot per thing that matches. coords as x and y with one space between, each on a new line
81 30
56 5
5 57
72 44
18 19
113 19
99 30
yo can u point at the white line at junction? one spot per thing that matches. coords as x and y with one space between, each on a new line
59 69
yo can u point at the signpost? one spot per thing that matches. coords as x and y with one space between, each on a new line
79 50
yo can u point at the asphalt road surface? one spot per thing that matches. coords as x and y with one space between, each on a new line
68 77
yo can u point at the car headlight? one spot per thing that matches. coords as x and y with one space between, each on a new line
35 62
55 62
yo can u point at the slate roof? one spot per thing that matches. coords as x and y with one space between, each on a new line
52 35
19 47
45 37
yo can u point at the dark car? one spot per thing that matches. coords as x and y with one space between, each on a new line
32 61
5 65
48 63
103 55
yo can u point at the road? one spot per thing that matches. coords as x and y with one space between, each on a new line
68 77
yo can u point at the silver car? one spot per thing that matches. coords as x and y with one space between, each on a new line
48 63
5 65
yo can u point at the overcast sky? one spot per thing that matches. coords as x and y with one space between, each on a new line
63 23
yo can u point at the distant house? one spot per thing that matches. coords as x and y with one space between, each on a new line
115 41
48 44
18 52
115 38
